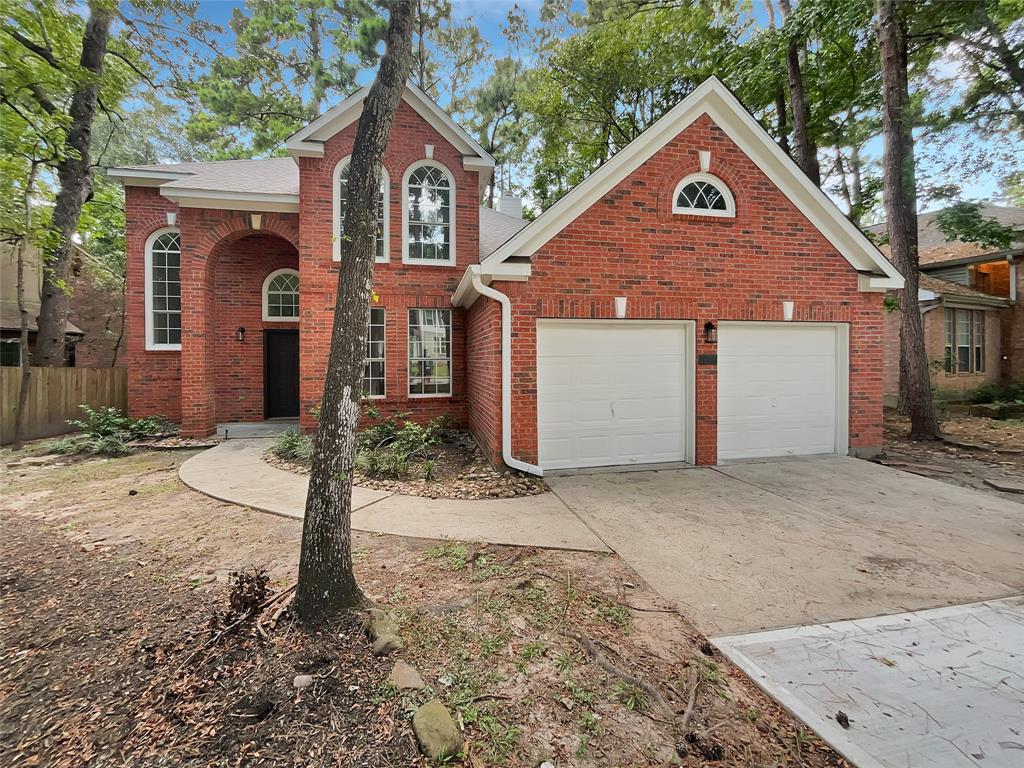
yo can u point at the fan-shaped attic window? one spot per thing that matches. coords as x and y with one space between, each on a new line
702 194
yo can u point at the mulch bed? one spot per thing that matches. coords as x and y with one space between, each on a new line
102 666
460 472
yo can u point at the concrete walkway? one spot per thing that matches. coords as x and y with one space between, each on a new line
234 471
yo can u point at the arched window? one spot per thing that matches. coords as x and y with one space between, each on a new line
702 194
281 296
341 205
429 214
163 290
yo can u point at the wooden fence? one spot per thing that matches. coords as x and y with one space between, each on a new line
54 396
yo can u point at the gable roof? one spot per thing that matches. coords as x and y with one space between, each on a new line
309 141
718 102
951 291
932 244
496 228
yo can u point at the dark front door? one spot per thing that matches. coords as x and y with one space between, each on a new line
281 373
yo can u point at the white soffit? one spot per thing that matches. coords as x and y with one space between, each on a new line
725 110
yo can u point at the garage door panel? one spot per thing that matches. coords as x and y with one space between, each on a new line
611 393
778 390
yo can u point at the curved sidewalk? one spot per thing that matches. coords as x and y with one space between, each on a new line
234 471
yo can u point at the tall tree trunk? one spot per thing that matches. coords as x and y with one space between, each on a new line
26 369
900 191
781 124
326 581
805 146
74 174
856 181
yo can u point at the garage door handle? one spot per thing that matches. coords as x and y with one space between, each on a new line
613 407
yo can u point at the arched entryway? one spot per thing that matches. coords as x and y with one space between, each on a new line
240 354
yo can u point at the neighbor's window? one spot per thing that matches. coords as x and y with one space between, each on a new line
702 194
10 354
163 267
429 193
373 372
430 352
281 295
341 207
965 341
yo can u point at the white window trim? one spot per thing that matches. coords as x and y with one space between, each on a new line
450 261
383 359
408 356
266 296
730 202
152 346
385 185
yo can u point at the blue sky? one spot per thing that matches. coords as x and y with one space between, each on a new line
489 15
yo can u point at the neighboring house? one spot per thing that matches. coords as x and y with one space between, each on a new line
696 299
971 307
95 310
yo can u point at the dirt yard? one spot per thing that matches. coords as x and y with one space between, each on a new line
110 572
978 453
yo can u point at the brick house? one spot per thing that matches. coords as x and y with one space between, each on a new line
972 308
696 299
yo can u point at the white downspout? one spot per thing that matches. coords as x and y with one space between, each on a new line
506 375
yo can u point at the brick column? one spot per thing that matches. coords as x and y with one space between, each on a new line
198 393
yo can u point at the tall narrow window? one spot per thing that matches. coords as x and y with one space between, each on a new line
163 290
429 193
341 207
430 352
281 296
965 341
373 372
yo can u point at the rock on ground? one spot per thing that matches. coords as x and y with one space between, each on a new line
436 732
405 678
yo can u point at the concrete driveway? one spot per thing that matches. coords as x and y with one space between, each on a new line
793 542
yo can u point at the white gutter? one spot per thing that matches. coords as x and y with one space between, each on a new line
506 374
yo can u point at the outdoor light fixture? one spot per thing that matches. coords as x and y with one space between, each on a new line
620 307
787 310
255 220
240 333
172 217
710 333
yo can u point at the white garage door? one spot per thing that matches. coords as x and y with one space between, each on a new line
781 390
611 393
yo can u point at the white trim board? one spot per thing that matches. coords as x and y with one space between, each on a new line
715 100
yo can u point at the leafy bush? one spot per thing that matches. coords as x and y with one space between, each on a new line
107 432
110 422
293 446
999 393
389 447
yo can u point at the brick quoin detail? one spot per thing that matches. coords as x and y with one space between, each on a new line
695 268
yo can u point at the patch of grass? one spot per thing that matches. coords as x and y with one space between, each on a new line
564 662
532 651
490 644
630 695
453 557
582 694
499 737
613 613
292 445
487 567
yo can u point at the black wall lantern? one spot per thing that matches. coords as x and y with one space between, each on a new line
240 333
710 333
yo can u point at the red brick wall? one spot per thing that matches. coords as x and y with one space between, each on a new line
97 307
399 286
684 267
1013 331
241 270
483 373
891 356
154 378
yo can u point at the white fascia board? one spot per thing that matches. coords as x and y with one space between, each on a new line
465 294
133 177
231 201
713 98
304 142
923 294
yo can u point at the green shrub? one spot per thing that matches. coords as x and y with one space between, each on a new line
107 432
294 446
998 393
111 422
389 447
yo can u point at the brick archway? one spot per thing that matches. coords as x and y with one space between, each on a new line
225 261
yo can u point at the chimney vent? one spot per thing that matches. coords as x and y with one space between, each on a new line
510 205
